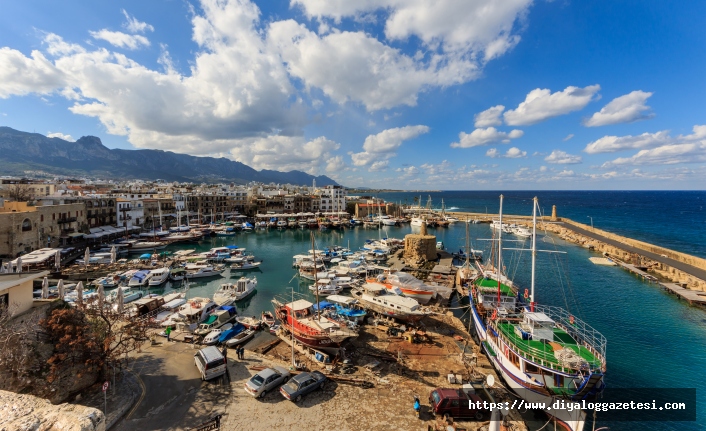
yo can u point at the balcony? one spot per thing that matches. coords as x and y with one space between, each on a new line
63 220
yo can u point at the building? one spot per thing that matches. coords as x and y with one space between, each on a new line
130 212
16 291
333 199
294 204
207 206
24 228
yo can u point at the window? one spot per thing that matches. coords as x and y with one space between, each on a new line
41 217
26 225
53 216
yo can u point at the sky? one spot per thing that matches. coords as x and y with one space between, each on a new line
403 94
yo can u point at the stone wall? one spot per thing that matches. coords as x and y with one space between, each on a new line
27 412
419 249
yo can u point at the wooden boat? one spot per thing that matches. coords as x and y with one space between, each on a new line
268 318
248 322
241 338
309 327
376 297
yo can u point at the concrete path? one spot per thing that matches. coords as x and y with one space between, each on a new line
689 269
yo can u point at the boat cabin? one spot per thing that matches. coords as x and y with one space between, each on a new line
147 305
536 326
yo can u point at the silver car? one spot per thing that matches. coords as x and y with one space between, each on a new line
266 380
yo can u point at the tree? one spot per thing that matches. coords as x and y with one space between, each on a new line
18 359
19 192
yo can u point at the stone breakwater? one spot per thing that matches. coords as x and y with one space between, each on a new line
27 412
660 269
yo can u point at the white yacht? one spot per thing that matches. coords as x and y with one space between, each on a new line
200 271
237 291
159 276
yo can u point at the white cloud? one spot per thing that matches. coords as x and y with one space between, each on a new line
611 144
478 27
489 117
20 75
287 153
120 39
353 66
681 149
60 136
628 108
134 26
568 137
379 166
512 153
384 144
409 171
486 136
335 164
665 155
562 158
542 104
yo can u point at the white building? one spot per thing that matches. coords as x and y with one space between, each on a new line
131 212
333 199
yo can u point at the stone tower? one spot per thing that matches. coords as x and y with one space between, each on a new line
554 213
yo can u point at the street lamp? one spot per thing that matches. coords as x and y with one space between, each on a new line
591 222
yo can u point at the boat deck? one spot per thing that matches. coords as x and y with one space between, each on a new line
545 351
489 283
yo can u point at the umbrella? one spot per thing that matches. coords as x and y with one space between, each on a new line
86 258
101 297
60 287
19 264
79 293
113 254
45 288
57 261
121 300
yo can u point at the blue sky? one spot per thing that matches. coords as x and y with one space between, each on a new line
415 94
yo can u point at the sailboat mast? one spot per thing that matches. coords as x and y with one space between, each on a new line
316 279
534 249
500 247
468 250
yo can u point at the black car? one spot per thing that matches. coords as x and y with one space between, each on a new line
302 384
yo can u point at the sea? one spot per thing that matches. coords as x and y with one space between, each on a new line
654 340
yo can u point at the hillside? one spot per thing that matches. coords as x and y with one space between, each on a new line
22 151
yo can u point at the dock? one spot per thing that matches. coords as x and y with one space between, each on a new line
693 297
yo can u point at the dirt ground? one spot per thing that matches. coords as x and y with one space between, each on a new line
393 369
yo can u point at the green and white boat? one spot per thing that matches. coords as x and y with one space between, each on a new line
543 353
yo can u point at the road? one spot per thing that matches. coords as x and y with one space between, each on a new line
689 269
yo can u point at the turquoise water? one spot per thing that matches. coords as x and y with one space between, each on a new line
653 339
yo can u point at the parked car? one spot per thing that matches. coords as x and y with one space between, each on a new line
454 403
302 384
266 380
210 362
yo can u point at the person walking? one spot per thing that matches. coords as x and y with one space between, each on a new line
168 331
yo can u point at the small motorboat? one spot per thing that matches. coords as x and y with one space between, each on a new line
240 338
274 328
268 318
230 333
242 266
248 322
213 336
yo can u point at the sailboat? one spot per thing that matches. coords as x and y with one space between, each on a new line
543 353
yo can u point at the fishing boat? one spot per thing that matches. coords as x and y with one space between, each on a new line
308 270
543 353
237 291
177 274
158 276
325 287
240 338
310 327
231 332
348 307
267 318
139 279
407 284
244 266
249 322
213 336
376 297
201 271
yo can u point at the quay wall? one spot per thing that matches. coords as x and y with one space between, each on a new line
660 268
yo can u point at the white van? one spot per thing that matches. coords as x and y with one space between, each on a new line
210 362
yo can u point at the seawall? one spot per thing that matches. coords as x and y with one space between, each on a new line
686 270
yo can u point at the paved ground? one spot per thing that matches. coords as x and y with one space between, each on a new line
689 269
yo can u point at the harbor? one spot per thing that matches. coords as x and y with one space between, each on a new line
391 359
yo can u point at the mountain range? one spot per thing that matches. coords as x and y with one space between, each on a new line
21 152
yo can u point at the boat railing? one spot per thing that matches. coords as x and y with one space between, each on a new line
534 355
582 332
